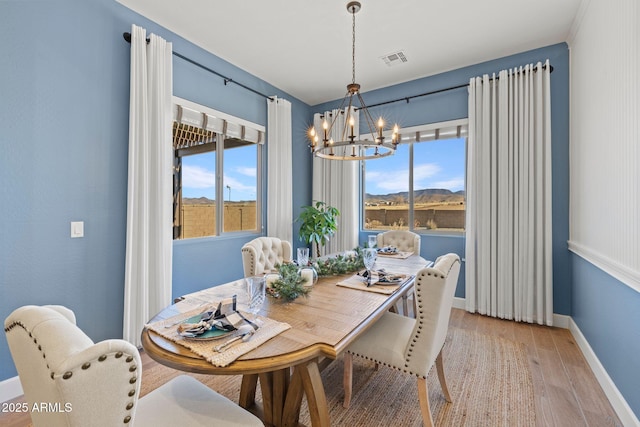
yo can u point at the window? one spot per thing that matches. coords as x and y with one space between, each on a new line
420 187
216 172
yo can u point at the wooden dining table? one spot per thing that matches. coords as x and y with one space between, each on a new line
288 366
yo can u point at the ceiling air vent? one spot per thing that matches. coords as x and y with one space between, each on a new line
394 58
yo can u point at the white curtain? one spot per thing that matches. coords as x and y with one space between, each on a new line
335 182
279 169
508 222
149 205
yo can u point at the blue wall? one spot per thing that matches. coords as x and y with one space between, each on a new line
453 105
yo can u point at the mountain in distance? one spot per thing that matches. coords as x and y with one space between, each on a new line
427 195
197 201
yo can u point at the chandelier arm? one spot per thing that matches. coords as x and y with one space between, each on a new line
335 117
368 118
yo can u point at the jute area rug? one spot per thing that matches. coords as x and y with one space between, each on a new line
488 377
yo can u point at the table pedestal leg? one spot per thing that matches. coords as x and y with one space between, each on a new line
248 390
282 395
306 378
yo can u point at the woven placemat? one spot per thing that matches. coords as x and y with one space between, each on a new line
360 283
269 328
397 255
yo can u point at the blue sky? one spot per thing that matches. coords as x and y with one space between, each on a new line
198 174
437 164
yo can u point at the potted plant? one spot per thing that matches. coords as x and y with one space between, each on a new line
317 223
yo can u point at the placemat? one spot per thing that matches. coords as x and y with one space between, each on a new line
359 282
398 255
269 329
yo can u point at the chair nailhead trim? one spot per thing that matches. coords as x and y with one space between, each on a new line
127 419
129 406
129 359
86 366
102 358
133 368
67 375
133 380
118 355
131 393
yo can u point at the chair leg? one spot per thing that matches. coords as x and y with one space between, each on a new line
405 305
347 379
423 397
443 382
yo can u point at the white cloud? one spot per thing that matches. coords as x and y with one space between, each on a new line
197 177
251 172
454 184
236 185
424 171
393 181
389 181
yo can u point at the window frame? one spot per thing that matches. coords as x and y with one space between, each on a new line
234 127
426 132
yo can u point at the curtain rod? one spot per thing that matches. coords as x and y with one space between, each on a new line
433 92
127 37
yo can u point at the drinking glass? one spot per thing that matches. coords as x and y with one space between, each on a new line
373 241
303 257
256 293
369 258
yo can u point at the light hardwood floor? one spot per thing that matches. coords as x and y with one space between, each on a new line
566 390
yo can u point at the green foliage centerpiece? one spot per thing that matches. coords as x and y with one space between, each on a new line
340 264
290 285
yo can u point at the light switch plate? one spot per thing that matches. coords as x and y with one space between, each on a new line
77 229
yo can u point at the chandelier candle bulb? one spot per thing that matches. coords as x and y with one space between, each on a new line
352 124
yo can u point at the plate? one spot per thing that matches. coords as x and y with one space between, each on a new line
399 279
211 334
389 282
388 251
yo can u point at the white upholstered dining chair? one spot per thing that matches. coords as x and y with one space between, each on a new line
261 255
404 241
412 345
98 384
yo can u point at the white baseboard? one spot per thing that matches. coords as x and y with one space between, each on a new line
620 405
458 303
10 389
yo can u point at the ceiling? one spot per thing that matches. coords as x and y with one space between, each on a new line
303 47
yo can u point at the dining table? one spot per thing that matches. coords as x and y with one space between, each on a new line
288 366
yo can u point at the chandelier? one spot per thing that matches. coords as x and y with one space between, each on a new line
350 147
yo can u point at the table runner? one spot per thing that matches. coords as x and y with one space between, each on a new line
204 348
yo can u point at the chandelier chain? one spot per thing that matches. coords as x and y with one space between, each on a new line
353 45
